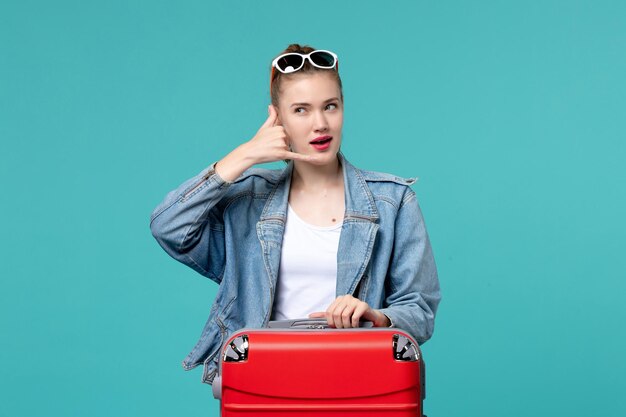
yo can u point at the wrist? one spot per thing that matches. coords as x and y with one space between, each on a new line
234 164
244 156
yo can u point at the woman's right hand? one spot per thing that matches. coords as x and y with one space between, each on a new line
269 144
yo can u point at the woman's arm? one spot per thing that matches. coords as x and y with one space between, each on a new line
412 284
189 226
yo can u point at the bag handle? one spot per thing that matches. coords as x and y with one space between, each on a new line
308 324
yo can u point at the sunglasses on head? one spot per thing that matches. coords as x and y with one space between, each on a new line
294 61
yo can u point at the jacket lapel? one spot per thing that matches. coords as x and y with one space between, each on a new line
271 227
358 232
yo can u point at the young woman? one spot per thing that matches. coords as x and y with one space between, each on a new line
319 238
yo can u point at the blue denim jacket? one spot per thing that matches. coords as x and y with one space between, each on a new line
231 232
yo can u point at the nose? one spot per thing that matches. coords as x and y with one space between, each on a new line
320 122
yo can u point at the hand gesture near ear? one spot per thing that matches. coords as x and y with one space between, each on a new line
269 144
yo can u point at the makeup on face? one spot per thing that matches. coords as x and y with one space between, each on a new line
312 113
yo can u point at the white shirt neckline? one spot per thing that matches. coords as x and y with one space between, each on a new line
309 225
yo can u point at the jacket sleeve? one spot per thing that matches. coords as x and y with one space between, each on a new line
189 226
412 284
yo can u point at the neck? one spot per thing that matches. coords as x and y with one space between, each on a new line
315 178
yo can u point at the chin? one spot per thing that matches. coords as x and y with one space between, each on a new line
329 157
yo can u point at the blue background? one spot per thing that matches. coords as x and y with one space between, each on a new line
511 113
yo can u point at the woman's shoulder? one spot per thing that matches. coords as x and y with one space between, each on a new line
389 187
378 176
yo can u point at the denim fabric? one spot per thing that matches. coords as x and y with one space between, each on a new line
231 232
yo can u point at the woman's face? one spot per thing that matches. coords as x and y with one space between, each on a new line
310 109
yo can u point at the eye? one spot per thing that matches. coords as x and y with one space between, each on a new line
332 104
297 109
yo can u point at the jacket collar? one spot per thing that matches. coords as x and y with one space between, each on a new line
359 201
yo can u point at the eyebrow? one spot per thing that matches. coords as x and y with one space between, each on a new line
308 104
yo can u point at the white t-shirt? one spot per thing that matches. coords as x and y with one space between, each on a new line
307 277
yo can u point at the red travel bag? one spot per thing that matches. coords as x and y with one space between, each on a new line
302 367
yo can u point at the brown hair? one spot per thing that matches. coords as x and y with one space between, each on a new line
278 76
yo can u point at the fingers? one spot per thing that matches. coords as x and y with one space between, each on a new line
304 157
358 313
345 312
317 315
271 143
271 119
301 156
330 312
277 121
346 316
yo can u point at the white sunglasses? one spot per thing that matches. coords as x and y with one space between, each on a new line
293 61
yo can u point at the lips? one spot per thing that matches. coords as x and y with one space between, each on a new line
321 140
321 143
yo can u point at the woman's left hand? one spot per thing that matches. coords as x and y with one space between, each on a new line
346 311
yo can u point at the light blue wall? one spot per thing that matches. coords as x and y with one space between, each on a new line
511 113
